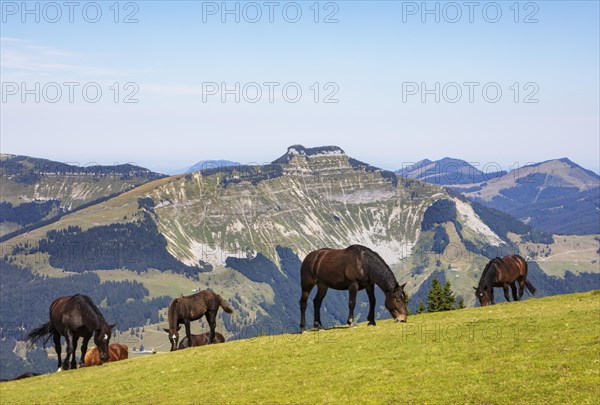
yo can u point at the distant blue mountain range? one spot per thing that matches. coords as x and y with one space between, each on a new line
556 196
203 165
449 171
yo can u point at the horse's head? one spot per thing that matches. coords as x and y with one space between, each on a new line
482 295
102 340
173 336
395 302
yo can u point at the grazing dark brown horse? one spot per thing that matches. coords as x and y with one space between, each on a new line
74 317
193 307
116 352
354 268
502 272
201 340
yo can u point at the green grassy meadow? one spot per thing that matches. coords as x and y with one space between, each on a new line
538 351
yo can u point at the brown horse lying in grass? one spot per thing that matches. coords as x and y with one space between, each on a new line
201 340
116 352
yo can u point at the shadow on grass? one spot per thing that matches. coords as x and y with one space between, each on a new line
338 327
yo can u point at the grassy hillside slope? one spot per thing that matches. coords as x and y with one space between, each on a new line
537 351
35 191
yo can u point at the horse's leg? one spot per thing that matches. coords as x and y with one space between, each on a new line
84 346
371 294
57 348
307 283
513 287
303 300
492 302
351 303
211 318
70 350
74 356
322 290
505 288
188 332
521 287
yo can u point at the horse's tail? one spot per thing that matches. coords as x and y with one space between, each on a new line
530 287
39 332
225 305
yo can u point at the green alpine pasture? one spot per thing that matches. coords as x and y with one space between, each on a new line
537 351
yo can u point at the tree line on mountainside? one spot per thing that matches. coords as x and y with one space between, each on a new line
136 246
44 222
27 213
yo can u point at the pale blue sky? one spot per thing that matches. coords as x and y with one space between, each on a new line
170 54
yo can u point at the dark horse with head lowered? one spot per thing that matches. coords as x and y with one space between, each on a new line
354 268
74 317
191 308
502 272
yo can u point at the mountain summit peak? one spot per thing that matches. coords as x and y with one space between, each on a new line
320 150
299 150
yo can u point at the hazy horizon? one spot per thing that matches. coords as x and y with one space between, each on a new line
249 161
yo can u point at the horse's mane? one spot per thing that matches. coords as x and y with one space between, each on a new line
487 271
89 310
379 271
173 313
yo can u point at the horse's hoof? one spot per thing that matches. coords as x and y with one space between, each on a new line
371 323
59 369
353 325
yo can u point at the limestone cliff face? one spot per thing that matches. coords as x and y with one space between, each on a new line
307 199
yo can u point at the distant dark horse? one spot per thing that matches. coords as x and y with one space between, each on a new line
502 272
193 307
201 340
116 352
74 317
354 268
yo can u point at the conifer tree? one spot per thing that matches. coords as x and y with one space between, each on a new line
449 297
421 308
442 298
461 303
435 297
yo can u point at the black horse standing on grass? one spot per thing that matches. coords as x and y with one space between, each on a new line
74 317
502 272
193 307
354 268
